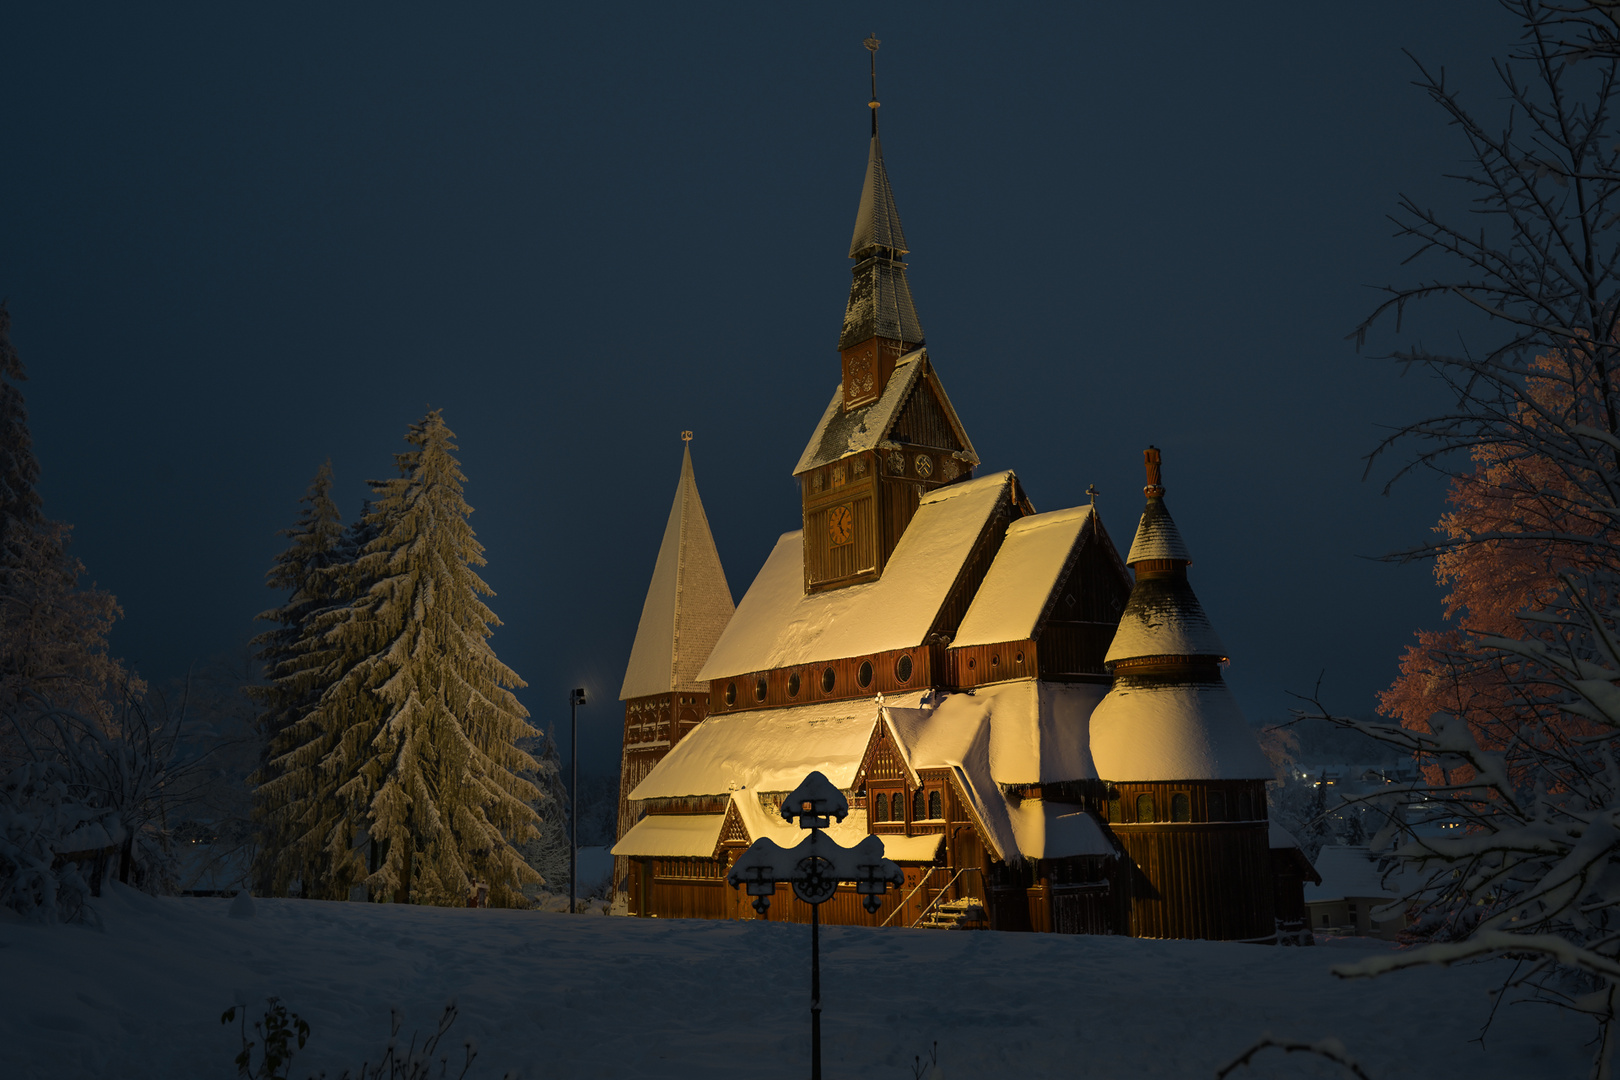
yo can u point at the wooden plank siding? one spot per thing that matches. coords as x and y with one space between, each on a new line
652 725
1202 866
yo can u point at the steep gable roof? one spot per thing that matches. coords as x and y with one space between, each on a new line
866 427
688 602
1032 564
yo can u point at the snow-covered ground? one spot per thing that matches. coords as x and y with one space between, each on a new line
588 996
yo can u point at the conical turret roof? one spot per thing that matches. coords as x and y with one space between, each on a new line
688 603
1157 536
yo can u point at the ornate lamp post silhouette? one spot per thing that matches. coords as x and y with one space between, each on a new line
575 699
814 867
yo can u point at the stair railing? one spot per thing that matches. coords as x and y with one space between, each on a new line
920 883
938 896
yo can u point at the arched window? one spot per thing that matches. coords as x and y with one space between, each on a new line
918 804
1245 811
1217 805
880 806
934 808
1115 813
897 808
1144 808
1180 807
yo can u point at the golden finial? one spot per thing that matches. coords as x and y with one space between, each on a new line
686 436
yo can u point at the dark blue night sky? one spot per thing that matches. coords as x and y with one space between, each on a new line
237 241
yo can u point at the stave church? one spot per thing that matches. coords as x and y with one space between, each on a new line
1036 727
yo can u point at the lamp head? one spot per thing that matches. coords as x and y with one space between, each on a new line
578 696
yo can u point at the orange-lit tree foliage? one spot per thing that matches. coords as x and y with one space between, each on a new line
1518 517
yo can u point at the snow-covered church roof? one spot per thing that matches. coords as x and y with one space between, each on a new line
997 738
1151 729
842 432
779 625
688 603
1018 588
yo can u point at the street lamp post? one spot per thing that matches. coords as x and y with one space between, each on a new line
814 867
575 699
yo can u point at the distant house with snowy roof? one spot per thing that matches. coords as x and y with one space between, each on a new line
1031 728
1354 895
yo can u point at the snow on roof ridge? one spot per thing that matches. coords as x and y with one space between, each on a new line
965 487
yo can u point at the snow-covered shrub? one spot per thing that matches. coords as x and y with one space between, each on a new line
45 833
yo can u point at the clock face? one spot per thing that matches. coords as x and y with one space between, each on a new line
841 525
925 466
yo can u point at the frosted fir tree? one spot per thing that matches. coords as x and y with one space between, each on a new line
297 665
411 754
547 853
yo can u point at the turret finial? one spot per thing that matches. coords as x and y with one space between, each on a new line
686 436
1091 489
872 44
1150 458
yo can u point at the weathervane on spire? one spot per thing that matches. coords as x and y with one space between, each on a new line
872 44
686 436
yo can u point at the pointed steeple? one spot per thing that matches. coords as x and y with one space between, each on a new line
1169 714
880 320
688 603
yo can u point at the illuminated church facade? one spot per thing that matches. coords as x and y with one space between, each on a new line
1037 728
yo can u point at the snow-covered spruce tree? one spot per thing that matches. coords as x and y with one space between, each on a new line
297 666
407 768
1523 754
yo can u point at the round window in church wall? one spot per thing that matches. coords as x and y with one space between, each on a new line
863 674
829 679
731 693
793 685
760 686
902 668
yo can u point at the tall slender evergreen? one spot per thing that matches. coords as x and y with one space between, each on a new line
296 665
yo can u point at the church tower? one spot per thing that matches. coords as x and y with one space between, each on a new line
890 434
1187 781
687 608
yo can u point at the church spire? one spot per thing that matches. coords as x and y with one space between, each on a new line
688 603
880 321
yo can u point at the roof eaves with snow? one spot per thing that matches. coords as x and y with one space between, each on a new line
779 625
767 750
